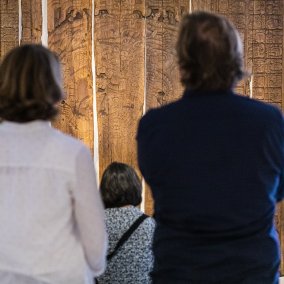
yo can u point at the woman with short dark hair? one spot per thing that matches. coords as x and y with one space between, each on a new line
51 214
121 191
120 186
215 163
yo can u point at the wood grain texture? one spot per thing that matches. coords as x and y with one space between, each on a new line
162 73
31 21
205 5
9 26
70 36
266 50
119 55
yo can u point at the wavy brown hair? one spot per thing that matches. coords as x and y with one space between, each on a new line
120 186
30 84
209 52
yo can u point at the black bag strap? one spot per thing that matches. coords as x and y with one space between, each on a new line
127 234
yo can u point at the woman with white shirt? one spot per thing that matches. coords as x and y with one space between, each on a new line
51 214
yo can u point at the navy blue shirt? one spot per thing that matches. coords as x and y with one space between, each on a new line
215 164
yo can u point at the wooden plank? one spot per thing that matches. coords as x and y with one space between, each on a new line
9 26
31 21
206 5
162 73
266 44
119 55
266 41
70 36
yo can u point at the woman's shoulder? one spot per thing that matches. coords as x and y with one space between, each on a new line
122 218
66 143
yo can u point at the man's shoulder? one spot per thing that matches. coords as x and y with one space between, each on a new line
256 104
161 112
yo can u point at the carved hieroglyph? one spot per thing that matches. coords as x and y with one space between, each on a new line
31 21
70 36
162 73
265 42
119 56
9 26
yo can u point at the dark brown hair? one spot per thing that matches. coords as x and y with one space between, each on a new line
30 84
120 186
209 52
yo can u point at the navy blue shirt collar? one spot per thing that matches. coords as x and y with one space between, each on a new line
192 93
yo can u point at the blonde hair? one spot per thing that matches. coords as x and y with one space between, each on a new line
30 84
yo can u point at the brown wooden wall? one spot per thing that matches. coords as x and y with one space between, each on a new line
119 39
70 36
119 57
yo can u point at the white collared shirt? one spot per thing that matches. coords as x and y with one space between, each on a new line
51 214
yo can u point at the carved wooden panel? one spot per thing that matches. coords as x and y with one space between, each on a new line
31 21
70 36
266 50
119 55
162 73
9 26
206 5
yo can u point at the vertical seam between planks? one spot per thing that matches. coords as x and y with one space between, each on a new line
44 33
95 118
143 204
20 20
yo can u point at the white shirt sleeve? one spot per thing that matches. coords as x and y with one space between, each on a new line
89 213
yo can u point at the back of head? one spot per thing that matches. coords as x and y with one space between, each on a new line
209 52
120 186
30 84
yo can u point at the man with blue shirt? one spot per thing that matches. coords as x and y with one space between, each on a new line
215 162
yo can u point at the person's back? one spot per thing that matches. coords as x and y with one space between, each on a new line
214 175
38 165
51 215
133 260
214 161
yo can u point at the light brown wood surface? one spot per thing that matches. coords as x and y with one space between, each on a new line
9 26
31 21
119 55
70 36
